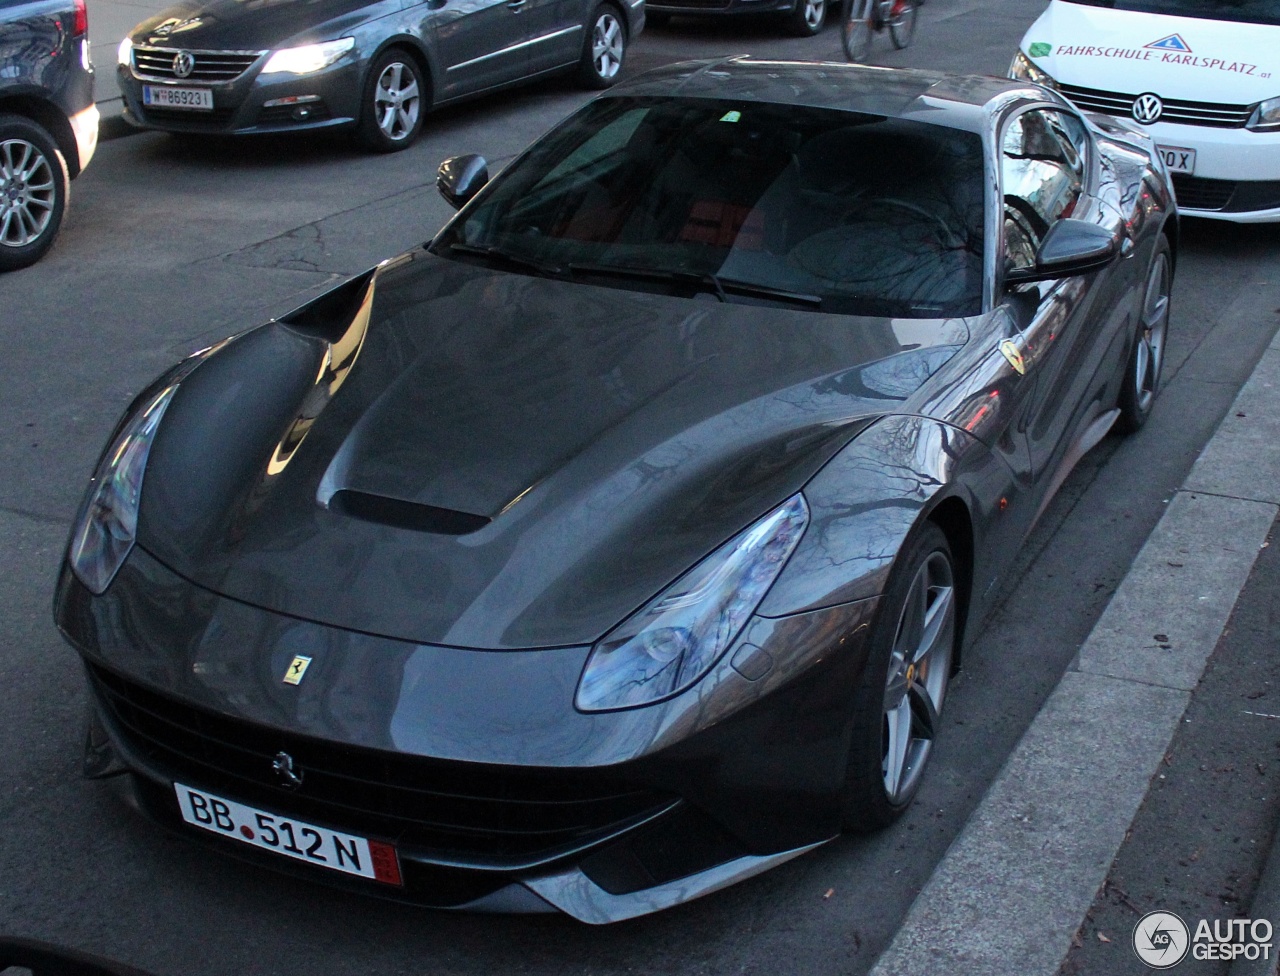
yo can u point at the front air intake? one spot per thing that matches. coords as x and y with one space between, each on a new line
404 515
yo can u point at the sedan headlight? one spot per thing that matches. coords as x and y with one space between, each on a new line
308 58
674 640
1266 117
124 53
1024 69
108 521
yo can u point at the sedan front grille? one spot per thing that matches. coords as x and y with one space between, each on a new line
465 813
1212 114
210 66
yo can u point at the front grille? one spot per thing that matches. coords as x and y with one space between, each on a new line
216 118
1211 114
497 816
210 66
1197 193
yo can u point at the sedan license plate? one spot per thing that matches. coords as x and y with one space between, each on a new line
1177 159
196 99
303 841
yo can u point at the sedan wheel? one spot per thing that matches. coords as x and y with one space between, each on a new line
904 683
33 192
393 104
808 17
604 50
1142 375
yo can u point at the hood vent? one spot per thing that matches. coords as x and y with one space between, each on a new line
404 515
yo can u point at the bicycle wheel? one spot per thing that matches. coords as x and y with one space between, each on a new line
902 23
858 27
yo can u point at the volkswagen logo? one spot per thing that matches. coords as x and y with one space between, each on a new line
184 62
1148 108
290 777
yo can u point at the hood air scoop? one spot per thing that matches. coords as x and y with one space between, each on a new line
404 515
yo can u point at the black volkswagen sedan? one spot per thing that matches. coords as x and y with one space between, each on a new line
621 542
373 66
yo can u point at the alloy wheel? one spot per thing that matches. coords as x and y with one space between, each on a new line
397 101
28 193
919 669
1155 322
607 46
814 13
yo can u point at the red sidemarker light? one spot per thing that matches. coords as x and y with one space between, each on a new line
386 863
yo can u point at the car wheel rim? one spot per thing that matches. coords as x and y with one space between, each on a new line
919 668
1155 322
28 193
606 46
397 101
813 10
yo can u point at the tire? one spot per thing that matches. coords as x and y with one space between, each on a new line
808 18
34 187
393 104
603 48
903 684
857 29
902 23
1141 383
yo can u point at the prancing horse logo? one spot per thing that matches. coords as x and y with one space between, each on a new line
290 777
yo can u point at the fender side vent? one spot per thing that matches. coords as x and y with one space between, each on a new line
404 515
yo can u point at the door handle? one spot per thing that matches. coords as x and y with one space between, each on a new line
1126 247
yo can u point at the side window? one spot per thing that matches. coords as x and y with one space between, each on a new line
1042 176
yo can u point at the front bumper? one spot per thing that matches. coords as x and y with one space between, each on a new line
473 764
240 106
701 8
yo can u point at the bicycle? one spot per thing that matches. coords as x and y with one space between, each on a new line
863 18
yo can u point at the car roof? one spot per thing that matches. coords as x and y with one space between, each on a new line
956 101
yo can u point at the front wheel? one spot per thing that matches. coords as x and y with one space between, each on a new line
604 48
902 23
857 29
903 684
34 185
1142 373
807 18
393 107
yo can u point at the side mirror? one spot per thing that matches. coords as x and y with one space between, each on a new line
461 177
1072 247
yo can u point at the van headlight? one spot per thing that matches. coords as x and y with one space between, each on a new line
1266 117
674 640
1024 69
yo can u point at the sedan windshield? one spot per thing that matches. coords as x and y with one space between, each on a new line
743 201
1243 11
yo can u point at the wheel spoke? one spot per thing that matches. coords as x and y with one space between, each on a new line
898 743
924 713
936 618
895 689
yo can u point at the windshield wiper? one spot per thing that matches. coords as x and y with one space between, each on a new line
512 260
720 287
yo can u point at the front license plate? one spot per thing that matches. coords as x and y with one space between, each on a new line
1177 159
302 841
196 99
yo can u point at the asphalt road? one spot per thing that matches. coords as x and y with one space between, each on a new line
173 243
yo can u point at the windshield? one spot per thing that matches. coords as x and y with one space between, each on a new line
814 208
1243 11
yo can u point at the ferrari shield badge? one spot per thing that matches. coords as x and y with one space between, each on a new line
297 670
1011 352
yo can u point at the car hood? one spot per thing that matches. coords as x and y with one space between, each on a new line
1175 57
451 455
234 25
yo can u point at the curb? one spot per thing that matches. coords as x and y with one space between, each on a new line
1266 904
1014 887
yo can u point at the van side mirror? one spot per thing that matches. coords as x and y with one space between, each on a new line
1072 247
461 177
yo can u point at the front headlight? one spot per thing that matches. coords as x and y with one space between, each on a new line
674 640
1024 69
308 58
107 524
124 53
1266 117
